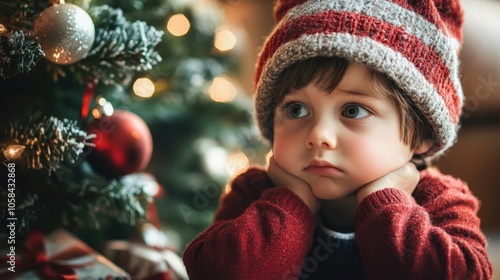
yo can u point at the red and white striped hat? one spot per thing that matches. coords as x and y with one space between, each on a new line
416 43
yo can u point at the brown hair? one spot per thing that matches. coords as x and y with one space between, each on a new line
327 72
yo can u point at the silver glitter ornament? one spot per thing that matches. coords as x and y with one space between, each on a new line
65 32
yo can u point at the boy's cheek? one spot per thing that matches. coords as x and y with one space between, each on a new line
372 158
377 160
286 158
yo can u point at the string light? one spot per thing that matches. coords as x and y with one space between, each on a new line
144 87
13 151
178 25
222 90
236 164
103 108
224 40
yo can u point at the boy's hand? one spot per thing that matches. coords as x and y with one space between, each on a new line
405 178
280 177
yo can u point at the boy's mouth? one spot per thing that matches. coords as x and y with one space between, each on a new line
321 167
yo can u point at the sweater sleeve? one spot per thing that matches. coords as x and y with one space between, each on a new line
433 235
259 232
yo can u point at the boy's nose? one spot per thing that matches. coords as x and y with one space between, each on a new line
322 135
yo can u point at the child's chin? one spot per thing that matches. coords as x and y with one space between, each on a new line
327 190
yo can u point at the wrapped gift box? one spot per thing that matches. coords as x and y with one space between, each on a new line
144 262
62 249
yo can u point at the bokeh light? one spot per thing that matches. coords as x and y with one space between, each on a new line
144 87
222 90
237 163
224 40
178 25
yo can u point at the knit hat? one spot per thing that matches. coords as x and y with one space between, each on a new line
415 43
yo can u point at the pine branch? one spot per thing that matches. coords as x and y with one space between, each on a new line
48 143
19 52
107 17
120 48
21 14
88 200
78 202
7 5
121 199
25 211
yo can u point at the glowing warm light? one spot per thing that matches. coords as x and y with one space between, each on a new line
222 90
144 87
152 189
268 156
96 114
2 28
178 25
224 40
236 164
214 157
215 160
103 108
227 189
152 236
13 151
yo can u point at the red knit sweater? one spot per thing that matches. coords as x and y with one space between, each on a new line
265 232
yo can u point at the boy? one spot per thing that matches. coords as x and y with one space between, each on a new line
352 95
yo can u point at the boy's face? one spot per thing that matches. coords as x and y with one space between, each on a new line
339 141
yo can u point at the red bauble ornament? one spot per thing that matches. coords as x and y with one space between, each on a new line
123 144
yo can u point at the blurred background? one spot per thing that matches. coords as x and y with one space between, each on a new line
135 137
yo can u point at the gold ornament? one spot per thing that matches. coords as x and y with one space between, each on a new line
65 32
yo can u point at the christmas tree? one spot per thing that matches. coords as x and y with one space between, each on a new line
111 107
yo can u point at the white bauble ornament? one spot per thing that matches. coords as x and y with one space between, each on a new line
65 32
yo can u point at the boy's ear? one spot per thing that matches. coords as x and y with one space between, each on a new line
424 147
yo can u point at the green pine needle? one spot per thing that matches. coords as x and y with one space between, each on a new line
19 52
48 143
77 201
90 200
121 48
121 199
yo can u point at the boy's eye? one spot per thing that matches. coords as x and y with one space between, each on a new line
296 110
354 111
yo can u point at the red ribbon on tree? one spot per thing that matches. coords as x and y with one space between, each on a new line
88 95
55 267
